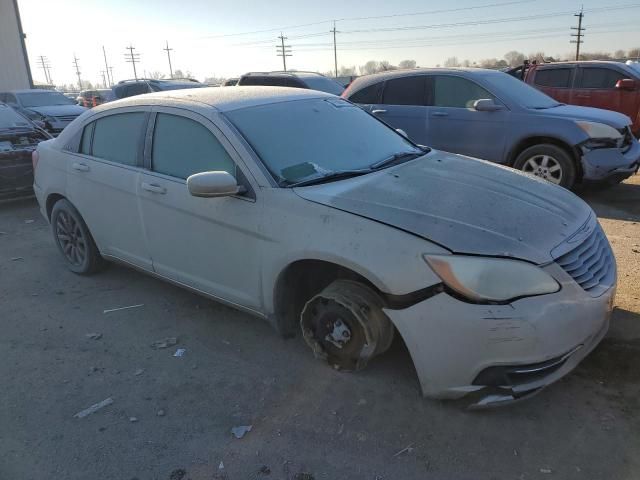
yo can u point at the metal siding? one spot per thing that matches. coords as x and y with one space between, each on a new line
15 73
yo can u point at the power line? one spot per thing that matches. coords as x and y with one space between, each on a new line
168 50
283 51
132 58
578 36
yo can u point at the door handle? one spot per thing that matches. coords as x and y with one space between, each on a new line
80 167
150 187
440 114
378 111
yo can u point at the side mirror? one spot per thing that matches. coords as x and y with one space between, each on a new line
213 184
402 132
626 84
486 105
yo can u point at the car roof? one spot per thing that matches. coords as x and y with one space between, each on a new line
222 99
367 80
280 73
622 65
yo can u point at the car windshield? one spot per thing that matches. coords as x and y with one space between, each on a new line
520 92
323 84
316 138
43 99
12 120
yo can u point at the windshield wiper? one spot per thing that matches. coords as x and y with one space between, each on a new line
396 157
330 176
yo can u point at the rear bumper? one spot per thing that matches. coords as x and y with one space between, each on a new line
453 344
604 165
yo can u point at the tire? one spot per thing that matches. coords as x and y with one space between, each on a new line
345 325
549 162
74 240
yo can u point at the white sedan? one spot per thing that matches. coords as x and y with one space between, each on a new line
301 208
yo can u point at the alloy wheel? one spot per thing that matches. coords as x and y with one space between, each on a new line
71 239
544 166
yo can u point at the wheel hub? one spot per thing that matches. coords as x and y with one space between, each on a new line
339 333
544 166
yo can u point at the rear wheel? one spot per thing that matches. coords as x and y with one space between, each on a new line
549 162
74 239
345 325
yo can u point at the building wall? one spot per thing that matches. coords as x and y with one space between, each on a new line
14 65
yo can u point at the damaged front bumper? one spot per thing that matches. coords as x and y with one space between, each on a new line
498 354
610 165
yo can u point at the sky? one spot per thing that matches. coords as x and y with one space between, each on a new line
213 38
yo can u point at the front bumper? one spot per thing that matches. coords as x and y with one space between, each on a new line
452 342
610 164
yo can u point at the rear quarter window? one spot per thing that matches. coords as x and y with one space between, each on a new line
369 94
553 77
601 78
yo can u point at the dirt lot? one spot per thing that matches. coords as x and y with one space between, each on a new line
309 422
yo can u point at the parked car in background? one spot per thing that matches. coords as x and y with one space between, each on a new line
491 115
130 88
19 137
609 85
499 283
230 82
311 80
93 98
55 110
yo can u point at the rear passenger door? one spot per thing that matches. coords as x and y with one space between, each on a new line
103 178
555 81
404 105
455 126
210 244
596 87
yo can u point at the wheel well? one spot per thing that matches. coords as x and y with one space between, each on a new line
51 201
530 142
300 281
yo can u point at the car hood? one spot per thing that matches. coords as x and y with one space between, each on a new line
58 110
574 112
465 205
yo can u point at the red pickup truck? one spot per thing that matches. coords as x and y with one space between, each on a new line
609 85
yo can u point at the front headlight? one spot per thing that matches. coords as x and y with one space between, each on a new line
483 279
599 130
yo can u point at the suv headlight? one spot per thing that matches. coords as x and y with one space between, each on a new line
599 130
484 279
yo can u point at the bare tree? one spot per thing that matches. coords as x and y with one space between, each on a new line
370 67
595 56
384 65
619 54
452 62
466 63
407 64
156 75
634 53
539 57
514 58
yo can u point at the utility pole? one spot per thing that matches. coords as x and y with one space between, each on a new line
111 74
283 50
106 67
75 62
132 58
578 35
335 50
168 50
44 64
104 79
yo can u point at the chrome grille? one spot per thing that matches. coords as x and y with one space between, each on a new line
591 264
66 118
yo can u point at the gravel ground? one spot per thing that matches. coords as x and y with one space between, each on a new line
171 417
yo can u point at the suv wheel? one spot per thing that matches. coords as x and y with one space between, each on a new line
74 240
549 162
345 325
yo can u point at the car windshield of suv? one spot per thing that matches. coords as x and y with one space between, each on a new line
323 84
520 92
43 99
319 138
12 120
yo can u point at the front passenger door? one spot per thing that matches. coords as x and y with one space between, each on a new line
210 244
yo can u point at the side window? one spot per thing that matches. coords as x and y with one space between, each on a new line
182 147
457 92
553 77
118 137
599 78
405 91
370 94
85 143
